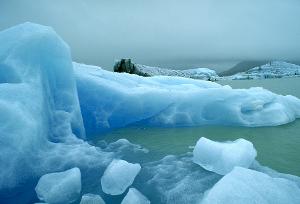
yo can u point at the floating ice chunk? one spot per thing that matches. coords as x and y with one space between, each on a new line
249 187
91 199
118 176
60 188
220 157
135 197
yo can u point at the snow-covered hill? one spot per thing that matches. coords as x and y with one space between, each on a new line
274 69
197 73
125 65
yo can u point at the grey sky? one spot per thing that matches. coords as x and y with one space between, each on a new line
182 33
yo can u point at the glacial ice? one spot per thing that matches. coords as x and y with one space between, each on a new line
40 116
135 197
174 101
42 129
118 176
222 157
60 188
91 199
175 180
38 99
248 186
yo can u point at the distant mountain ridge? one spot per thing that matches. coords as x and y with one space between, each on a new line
244 66
273 69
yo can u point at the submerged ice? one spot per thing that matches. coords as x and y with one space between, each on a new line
91 199
46 109
135 197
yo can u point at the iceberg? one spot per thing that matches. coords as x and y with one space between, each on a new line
248 186
118 176
41 127
38 98
112 100
60 188
222 157
46 111
91 199
135 197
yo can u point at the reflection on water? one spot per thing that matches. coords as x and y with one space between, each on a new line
278 147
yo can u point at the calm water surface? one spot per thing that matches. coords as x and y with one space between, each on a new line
277 147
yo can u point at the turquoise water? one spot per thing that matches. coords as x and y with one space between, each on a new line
277 147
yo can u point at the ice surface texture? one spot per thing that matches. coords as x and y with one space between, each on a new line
39 111
91 199
250 187
41 123
111 100
38 97
175 180
223 157
118 176
60 188
135 197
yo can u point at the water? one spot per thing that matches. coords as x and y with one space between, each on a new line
278 147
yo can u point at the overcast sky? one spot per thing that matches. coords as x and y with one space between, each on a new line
174 33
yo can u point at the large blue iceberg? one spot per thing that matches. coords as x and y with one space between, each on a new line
112 100
46 109
38 98
40 116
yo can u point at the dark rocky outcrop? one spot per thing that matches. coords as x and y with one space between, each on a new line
125 65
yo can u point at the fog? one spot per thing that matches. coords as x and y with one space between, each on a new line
176 34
